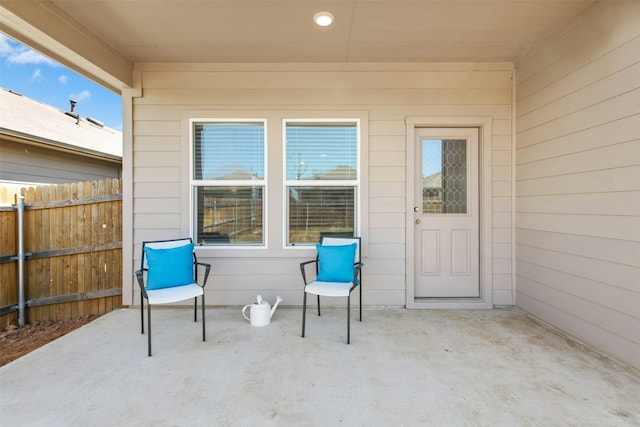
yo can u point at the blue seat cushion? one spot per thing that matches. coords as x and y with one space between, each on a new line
169 267
336 262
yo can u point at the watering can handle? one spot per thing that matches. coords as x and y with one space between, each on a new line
243 312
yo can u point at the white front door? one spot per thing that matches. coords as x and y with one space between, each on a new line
446 213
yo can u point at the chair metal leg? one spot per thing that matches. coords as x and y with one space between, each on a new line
142 312
149 326
360 291
304 312
204 337
318 304
195 309
349 319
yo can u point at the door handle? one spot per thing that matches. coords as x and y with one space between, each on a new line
416 221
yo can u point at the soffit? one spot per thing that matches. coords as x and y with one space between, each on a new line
282 31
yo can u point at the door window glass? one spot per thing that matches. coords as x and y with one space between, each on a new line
444 176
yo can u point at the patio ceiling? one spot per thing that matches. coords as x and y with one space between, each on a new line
282 31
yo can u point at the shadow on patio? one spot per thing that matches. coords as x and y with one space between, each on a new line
404 367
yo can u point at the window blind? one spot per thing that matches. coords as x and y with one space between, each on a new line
321 151
229 151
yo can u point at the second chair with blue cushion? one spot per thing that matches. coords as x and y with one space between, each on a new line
337 273
169 273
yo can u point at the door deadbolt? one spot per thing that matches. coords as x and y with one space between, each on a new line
416 209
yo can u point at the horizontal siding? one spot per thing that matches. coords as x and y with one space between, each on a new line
578 180
156 143
599 181
618 346
387 158
614 274
164 112
153 205
313 97
385 189
607 204
592 93
611 157
615 132
598 32
625 252
615 299
399 112
162 174
29 163
574 120
608 319
388 93
333 80
144 190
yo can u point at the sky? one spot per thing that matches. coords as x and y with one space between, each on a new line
31 74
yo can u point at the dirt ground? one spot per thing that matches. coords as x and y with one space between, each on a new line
16 342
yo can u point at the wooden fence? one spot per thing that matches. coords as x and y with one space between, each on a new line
73 246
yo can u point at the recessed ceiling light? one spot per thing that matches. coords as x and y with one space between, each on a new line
323 19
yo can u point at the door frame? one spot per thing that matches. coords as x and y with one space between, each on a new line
484 126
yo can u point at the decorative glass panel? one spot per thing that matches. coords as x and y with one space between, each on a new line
444 176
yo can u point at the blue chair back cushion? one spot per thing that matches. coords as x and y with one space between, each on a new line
336 262
169 267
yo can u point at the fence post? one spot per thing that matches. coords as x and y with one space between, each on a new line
21 256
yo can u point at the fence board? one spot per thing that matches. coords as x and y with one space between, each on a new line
42 243
62 310
8 245
32 233
74 233
95 235
83 306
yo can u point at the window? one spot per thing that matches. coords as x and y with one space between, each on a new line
228 182
444 180
321 179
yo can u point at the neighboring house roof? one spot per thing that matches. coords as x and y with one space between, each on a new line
237 175
339 173
432 181
27 120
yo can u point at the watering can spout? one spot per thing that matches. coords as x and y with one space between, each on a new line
273 309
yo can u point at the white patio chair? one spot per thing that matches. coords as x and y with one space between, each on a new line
169 273
337 274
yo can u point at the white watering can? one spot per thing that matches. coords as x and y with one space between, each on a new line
261 312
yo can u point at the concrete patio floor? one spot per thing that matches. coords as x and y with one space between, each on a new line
403 368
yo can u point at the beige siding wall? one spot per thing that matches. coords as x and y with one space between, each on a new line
383 94
578 179
30 163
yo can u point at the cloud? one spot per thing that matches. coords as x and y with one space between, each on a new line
37 75
82 96
63 79
5 46
21 55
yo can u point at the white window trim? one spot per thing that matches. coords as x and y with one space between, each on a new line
194 184
273 136
315 183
